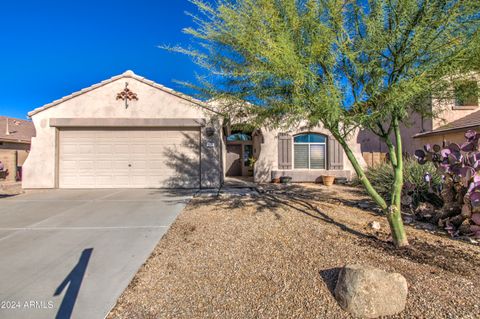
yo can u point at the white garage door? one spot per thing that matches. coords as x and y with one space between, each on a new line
146 158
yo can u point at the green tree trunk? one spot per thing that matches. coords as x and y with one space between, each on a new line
361 174
393 212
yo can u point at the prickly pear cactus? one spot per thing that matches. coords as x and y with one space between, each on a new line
460 167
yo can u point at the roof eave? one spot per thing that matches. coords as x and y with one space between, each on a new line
450 130
127 74
7 140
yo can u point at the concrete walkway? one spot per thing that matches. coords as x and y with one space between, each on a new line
71 253
239 182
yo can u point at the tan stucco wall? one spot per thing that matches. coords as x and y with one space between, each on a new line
372 143
446 110
39 171
452 137
268 155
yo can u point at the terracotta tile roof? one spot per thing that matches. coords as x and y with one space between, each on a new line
126 74
470 121
18 130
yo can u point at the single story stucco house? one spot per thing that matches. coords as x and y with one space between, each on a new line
130 132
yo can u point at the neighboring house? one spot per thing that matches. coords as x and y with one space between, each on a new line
15 137
457 117
129 132
453 118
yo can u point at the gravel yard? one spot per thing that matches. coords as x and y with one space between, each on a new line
277 255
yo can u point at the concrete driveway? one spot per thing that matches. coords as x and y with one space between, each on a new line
71 253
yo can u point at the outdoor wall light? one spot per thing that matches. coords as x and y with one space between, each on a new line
209 131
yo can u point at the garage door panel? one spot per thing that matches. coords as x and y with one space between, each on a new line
70 149
121 149
121 180
86 149
119 164
138 165
69 165
85 166
158 165
129 158
139 149
159 149
69 179
70 134
140 180
84 179
106 164
105 149
104 180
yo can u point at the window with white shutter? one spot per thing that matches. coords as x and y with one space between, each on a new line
300 155
309 151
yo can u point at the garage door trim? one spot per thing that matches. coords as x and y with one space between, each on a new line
126 122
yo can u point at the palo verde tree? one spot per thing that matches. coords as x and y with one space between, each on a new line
343 64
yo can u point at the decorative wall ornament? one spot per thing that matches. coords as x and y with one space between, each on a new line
127 95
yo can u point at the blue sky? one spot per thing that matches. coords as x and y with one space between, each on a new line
49 49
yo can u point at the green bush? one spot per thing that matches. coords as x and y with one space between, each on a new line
415 186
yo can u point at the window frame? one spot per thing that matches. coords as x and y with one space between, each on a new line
248 137
325 144
459 104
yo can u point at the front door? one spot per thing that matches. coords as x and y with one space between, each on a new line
234 160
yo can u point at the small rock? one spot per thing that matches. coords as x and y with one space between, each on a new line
407 220
472 241
375 225
465 227
369 292
425 210
427 226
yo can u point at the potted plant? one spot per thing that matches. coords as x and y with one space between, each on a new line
251 164
285 179
328 180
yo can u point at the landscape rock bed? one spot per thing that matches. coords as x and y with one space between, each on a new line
279 254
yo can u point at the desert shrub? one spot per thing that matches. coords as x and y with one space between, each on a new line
415 189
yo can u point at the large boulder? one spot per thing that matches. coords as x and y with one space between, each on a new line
368 292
